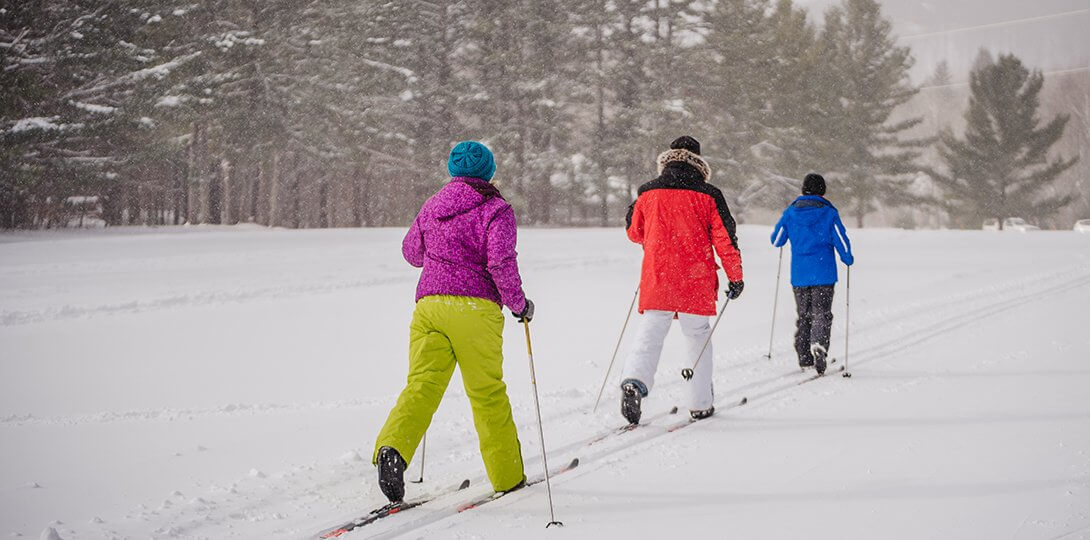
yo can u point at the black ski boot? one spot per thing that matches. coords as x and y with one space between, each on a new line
630 403
517 486
700 415
819 353
806 363
391 474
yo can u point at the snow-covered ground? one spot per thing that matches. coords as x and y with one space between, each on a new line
228 383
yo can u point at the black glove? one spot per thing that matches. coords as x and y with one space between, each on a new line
527 313
735 289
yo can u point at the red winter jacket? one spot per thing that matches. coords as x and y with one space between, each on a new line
679 218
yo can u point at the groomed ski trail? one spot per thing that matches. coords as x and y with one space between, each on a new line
759 392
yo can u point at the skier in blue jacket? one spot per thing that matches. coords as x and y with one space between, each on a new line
813 226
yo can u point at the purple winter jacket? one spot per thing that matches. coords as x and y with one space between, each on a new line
464 238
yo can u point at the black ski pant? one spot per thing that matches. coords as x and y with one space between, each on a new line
815 323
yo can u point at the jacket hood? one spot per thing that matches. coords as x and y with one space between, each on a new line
680 155
461 195
811 209
677 173
812 201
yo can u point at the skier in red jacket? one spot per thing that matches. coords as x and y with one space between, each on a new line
682 221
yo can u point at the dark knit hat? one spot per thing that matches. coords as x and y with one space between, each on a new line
686 142
813 184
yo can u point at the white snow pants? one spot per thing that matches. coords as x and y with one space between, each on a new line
643 357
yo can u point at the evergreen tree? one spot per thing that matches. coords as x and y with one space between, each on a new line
420 46
523 50
732 88
308 114
983 59
865 80
25 50
592 49
1001 167
794 96
672 74
941 76
761 98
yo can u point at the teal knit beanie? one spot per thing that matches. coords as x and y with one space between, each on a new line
472 159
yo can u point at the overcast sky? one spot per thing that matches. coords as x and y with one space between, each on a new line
956 29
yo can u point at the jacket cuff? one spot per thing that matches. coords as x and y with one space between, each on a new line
735 273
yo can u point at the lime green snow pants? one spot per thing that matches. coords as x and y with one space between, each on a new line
449 330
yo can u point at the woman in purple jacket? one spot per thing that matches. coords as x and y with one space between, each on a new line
464 239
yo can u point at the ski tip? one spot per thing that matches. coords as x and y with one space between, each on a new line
744 401
464 484
574 463
674 410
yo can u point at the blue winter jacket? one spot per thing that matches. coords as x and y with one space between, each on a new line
813 225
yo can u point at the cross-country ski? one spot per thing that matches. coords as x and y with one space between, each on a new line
386 510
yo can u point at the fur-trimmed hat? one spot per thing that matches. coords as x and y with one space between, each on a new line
685 156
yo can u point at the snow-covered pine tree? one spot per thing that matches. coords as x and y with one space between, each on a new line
360 111
591 85
85 63
28 39
864 80
795 95
627 133
941 75
519 56
1002 166
415 45
672 67
733 87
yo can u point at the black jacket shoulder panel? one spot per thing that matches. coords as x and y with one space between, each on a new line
724 213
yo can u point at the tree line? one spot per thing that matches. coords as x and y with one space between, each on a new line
341 113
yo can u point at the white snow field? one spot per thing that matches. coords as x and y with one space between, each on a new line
229 383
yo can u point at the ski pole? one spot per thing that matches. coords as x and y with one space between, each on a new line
616 348
847 320
775 304
423 454
540 429
687 373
